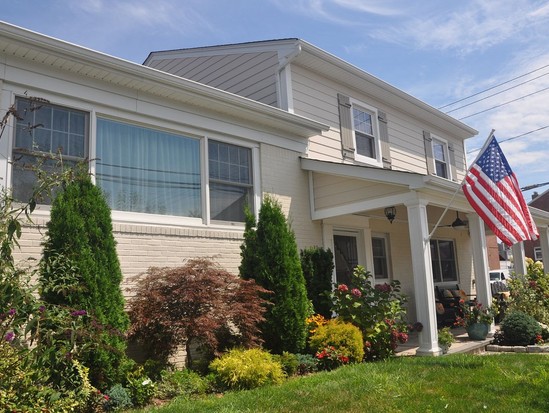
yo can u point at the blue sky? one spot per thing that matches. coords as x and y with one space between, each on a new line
438 51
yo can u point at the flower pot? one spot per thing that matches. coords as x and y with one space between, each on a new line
478 331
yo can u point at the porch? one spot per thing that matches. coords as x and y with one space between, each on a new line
463 344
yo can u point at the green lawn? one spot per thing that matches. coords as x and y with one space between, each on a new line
454 383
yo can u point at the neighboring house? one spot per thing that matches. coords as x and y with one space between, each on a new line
532 249
181 146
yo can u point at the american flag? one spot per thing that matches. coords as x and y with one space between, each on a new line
494 193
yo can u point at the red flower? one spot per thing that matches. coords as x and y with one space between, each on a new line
343 288
356 292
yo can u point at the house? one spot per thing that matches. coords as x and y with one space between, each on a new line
532 249
181 144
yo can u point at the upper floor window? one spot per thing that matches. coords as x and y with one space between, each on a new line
440 156
231 187
365 133
443 259
537 254
43 130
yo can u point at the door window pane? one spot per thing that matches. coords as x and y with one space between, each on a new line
346 257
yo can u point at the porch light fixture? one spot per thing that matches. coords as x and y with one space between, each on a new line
458 223
390 213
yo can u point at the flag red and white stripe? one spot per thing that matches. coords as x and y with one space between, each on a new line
492 189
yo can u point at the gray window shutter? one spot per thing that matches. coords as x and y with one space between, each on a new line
452 161
346 126
384 139
429 159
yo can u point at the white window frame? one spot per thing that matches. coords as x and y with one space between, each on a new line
97 111
372 111
385 238
537 254
438 140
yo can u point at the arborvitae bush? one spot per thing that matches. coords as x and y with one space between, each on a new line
247 369
520 329
198 301
270 256
318 265
345 337
88 276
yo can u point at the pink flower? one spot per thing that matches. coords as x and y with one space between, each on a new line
10 336
356 292
343 288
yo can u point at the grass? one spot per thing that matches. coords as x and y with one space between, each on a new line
455 383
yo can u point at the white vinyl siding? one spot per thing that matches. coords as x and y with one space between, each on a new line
251 75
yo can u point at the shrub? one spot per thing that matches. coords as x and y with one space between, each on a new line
247 369
289 362
180 383
141 387
81 211
317 265
307 364
199 301
346 338
119 398
269 256
378 310
530 292
520 329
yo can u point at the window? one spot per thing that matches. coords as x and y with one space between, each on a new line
440 155
381 257
537 254
147 170
365 133
345 256
41 130
231 189
443 260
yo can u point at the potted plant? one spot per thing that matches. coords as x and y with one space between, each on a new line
445 339
476 319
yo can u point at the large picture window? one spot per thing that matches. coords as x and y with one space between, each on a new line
231 188
147 170
43 130
444 261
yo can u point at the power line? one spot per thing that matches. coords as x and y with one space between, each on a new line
505 103
497 93
514 137
493 87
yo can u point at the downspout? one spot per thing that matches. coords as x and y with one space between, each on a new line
283 89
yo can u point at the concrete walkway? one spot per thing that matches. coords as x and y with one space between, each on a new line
463 344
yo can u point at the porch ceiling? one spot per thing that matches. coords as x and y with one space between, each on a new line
342 189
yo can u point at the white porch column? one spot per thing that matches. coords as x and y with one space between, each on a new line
544 244
518 258
422 269
480 261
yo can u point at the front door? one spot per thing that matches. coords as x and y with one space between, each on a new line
346 256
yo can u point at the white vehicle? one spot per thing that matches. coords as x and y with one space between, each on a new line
499 275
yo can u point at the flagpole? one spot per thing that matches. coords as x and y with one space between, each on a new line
458 188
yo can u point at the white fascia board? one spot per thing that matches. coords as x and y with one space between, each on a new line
145 76
540 216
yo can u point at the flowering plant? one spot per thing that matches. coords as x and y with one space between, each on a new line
473 314
330 358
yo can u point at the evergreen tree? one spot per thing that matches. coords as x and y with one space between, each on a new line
270 257
80 269
317 264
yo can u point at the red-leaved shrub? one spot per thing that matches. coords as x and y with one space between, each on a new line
200 300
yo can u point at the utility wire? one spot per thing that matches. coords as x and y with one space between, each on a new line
497 93
493 87
514 137
505 103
